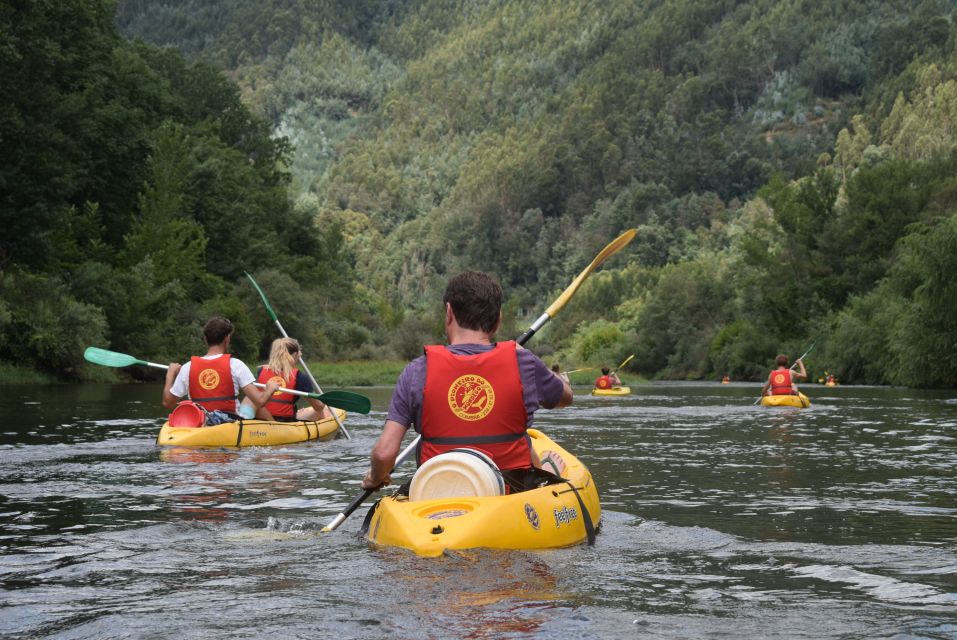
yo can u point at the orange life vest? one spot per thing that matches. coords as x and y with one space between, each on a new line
211 383
781 383
475 401
281 404
603 382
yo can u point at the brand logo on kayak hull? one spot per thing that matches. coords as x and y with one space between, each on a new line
565 515
532 516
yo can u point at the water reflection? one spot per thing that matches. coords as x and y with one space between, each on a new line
476 594
719 518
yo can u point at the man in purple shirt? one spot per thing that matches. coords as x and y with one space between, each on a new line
473 304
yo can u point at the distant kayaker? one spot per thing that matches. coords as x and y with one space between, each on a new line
472 392
214 380
781 380
558 372
284 355
607 379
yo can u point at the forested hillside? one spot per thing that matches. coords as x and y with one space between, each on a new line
790 166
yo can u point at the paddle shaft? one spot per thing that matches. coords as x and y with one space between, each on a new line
804 356
362 497
305 367
578 370
626 361
258 384
557 306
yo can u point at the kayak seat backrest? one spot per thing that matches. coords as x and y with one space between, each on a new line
459 473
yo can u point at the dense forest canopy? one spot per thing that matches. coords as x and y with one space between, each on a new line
790 166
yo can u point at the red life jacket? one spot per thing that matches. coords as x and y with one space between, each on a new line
211 383
281 404
604 382
781 382
475 401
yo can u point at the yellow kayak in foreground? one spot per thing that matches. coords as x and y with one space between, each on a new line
799 401
249 433
614 391
543 518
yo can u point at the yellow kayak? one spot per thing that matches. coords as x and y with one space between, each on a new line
799 401
543 518
614 391
249 433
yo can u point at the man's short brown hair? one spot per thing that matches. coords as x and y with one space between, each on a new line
781 360
216 330
476 300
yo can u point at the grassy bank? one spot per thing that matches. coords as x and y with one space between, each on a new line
356 373
15 374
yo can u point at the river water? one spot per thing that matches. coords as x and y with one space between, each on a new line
721 519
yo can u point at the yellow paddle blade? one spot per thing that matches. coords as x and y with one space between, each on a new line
627 360
613 247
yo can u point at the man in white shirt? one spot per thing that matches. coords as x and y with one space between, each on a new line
215 379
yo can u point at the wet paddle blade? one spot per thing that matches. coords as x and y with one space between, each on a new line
346 400
611 249
109 358
272 314
627 360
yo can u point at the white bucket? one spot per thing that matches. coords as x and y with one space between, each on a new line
458 473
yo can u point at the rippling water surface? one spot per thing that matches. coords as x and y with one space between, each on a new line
721 519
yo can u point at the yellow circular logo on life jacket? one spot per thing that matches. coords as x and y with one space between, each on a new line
471 397
779 378
208 379
279 381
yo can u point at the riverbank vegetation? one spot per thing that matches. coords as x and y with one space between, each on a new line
789 166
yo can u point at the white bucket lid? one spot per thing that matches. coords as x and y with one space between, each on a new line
457 474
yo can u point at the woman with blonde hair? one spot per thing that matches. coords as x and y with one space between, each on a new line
282 367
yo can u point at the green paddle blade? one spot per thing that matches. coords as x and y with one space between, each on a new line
272 314
344 400
109 358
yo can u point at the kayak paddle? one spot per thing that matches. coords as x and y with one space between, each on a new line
792 366
805 354
627 360
346 400
613 247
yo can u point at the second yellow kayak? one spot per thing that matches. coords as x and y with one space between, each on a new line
614 391
800 401
249 433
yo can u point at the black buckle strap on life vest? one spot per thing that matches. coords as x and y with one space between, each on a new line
506 437
282 401
586 517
